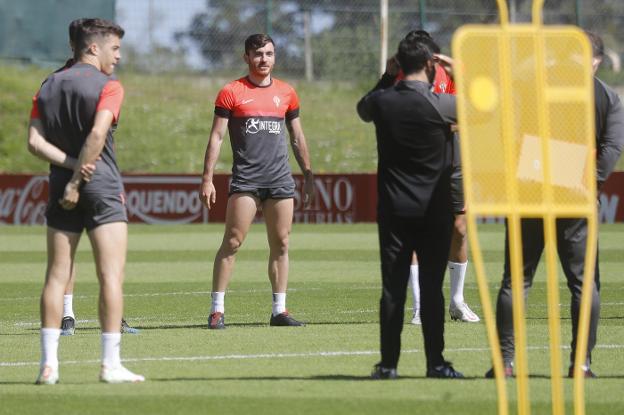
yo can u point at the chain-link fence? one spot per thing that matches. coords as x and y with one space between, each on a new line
316 39
36 30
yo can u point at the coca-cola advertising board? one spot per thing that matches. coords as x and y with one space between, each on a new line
172 199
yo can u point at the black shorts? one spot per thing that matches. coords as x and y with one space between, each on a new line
457 181
457 191
264 193
93 208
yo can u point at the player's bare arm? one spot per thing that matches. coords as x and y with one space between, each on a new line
88 154
446 62
207 192
302 155
40 147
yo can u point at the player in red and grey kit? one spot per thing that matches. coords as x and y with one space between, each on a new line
458 255
257 110
73 119
68 323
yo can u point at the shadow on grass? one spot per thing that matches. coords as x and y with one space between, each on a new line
347 378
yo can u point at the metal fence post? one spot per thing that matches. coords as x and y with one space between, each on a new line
269 17
422 13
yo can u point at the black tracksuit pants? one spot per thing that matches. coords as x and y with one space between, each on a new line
430 237
571 245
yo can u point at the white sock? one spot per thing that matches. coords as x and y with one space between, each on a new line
49 347
68 306
111 345
279 303
415 287
458 274
218 302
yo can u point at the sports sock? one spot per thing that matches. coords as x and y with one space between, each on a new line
415 287
218 302
49 347
68 306
111 344
279 303
457 272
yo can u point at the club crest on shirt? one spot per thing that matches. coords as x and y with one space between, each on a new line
255 125
276 100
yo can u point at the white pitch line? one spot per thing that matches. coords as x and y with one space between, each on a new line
361 311
285 355
253 290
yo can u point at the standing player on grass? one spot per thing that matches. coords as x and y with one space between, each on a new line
256 110
72 122
68 323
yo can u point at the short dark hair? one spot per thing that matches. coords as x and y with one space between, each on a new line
92 28
74 27
413 56
596 44
257 41
423 36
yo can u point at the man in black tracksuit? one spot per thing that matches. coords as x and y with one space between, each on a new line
571 232
414 213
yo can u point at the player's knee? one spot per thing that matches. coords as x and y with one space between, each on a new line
459 229
279 245
232 244
110 277
58 273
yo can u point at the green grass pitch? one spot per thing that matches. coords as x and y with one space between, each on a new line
250 367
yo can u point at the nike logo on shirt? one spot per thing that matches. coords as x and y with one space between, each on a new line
246 101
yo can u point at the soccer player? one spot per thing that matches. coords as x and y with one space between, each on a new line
73 118
415 146
458 254
68 323
256 110
571 232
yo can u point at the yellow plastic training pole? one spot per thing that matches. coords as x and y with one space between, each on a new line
549 221
514 231
486 304
583 328
519 321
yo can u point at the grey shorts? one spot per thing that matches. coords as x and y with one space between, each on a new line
264 193
92 210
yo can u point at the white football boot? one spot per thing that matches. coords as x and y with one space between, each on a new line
461 312
47 376
119 374
416 318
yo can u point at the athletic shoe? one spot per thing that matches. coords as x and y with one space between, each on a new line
444 371
461 312
216 321
119 374
125 328
382 373
47 376
68 326
587 373
284 319
416 319
508 370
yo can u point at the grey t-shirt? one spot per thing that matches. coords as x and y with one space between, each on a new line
257 126
67 104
